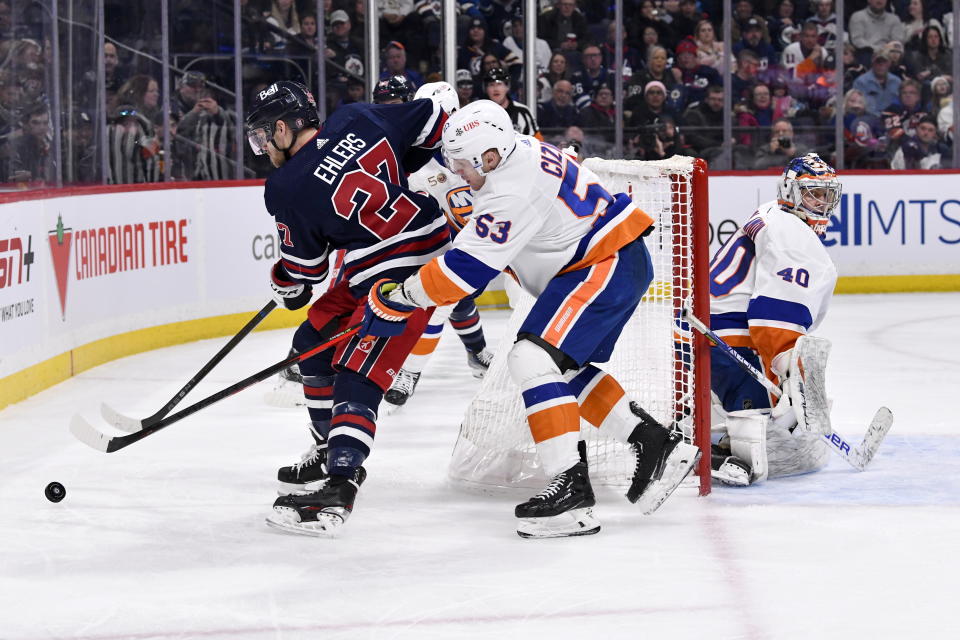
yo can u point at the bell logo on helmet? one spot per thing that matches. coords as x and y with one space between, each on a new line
269 91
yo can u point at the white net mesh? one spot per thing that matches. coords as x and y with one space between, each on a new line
495 449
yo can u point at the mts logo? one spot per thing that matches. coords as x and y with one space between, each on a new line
14 261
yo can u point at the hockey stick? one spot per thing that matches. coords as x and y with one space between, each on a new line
857 457
130 425
90 436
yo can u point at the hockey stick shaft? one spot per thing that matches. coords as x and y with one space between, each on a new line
837 444
208 367
107 444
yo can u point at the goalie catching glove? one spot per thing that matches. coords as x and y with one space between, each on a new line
288 293
387 310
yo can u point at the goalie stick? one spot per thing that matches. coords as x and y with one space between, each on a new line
90 436
857 457
130 425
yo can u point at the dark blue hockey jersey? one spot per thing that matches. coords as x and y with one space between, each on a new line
347 189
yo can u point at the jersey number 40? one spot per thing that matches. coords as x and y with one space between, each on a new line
361 191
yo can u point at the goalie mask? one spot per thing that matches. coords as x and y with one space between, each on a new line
810 190
474 129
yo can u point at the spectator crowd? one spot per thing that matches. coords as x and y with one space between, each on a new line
896 72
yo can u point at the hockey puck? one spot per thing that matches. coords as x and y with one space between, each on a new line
55 492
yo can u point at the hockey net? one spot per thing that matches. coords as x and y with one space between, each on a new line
494 448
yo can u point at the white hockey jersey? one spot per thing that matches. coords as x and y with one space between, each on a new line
540 213
770 283
447 188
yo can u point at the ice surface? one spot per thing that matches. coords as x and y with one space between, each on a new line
166 539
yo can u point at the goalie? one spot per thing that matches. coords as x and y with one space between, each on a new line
770 286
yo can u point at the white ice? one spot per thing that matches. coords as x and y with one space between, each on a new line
166 538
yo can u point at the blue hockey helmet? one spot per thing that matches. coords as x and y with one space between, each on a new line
810 190
393 89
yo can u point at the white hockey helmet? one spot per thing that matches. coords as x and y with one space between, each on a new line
810 190
478 127
441 93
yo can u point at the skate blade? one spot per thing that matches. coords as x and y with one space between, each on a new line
388 408
327 525
677 466
731 475
576 522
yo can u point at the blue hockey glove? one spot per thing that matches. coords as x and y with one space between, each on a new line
383 317
292 295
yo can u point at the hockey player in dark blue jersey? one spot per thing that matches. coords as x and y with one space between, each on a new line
342 185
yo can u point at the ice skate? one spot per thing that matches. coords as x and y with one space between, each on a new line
727 469
663 461
307 475
402 388
563 509
479 362
321 513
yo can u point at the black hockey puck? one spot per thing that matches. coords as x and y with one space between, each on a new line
55 492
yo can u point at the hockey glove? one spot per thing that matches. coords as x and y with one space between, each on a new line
382 316
292 295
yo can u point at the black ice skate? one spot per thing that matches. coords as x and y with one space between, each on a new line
479 362
663 461
320 513
402 388
564 508
287 391
727 469
307 475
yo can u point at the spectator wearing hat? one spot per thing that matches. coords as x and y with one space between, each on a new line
898 64
344 49
133 148
590 77
744 18
879 87
559 111
942 89
563 26
477 44
599 116
395 64
862 133
752 40
924 150
188 85
932 59
874 26
496 86
647 114
805 57
901 117
692 77
703 124
464 86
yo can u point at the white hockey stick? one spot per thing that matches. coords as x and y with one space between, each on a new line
857 457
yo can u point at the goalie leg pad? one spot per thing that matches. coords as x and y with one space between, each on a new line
551 407
748 440
806 385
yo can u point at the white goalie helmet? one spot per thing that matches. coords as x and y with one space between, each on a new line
475 128
810 190
441 93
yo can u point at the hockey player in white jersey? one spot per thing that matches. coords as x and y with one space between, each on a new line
580 251
456 201
770 286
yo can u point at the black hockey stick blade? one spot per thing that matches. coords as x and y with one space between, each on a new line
125 423
92 437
